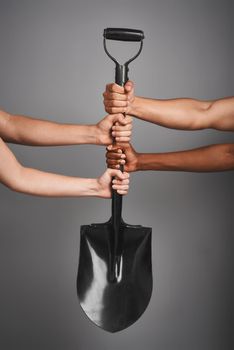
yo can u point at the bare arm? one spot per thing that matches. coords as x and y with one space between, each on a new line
182 113
36 132
38 183
187 114
205 159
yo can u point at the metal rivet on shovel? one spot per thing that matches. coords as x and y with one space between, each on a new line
114 282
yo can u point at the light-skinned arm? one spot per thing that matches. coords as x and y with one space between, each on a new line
211 158
179 113
38 183
35 132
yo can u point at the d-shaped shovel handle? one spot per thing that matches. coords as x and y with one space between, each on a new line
123 34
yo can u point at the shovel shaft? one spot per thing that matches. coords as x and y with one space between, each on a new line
121 77
121 74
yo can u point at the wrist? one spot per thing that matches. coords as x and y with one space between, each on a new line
148 161
79 134
139 161
99 135
135 107
91 188
94 135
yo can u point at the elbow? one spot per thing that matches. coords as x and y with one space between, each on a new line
15 182
7 127
5 119
227 156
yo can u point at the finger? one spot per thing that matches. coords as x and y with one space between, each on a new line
113 166
115 155
121 133
120 128
123 193
120 187
114 148
118 182
115 104
123 139
113 87
115 161
114 96
126 175
115 110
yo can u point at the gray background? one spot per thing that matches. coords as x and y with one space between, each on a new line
53 66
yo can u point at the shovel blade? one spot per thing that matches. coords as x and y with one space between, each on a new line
114 305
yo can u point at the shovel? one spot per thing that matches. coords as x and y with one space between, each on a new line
114 282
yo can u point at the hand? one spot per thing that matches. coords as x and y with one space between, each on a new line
120 183
122 154
106 129
118 99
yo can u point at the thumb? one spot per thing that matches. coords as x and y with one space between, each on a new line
117 173
119 118
129 86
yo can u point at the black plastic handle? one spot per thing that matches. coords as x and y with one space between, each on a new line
123 34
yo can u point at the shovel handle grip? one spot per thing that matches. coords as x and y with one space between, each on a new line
123 34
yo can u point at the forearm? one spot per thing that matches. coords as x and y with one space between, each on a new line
182 114
186 114
205 159
38 183
36 132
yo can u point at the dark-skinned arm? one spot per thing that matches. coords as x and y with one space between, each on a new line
210 158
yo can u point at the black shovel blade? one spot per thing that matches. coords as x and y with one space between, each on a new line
114 303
